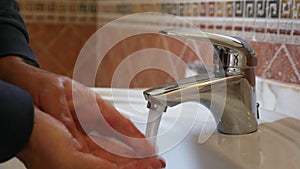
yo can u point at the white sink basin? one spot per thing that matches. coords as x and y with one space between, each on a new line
179 132
187 137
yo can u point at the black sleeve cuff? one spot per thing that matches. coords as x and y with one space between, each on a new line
16 120
14 39
13 43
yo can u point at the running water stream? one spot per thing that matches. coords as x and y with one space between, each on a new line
153 122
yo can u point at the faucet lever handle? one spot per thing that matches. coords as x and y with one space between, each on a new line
234 45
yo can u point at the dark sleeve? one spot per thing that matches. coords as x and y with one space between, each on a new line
14 39
16 120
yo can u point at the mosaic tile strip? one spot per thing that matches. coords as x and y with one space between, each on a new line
242 8
278 19
55 11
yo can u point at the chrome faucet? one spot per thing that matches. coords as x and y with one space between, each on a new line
228 91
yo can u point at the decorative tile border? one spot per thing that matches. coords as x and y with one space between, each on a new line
262 20
238 8
56 11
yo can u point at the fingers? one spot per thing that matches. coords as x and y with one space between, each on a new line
94 114
121 161
125 130
54 102
82 106
110 145
112 152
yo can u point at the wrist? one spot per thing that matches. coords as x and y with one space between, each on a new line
13 69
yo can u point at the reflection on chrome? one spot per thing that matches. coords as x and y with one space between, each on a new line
228 91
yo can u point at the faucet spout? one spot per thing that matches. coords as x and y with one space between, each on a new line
184 90
230 98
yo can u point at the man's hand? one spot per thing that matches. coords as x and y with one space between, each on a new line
68 102
52 146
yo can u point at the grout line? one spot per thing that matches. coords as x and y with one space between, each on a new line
58 35
287 52
272 60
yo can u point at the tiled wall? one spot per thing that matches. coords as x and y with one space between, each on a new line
58 45
58 30
272 27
